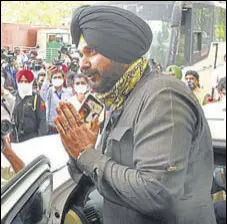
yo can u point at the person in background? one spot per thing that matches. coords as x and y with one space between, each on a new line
175 71
158 68
218 73
53 94
221 87
29 113
192 81
67 63
40 79
70 81
9 70
7 101
21 57
16 164
80 90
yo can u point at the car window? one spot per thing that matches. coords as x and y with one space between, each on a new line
37 208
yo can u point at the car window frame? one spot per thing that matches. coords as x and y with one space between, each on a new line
24 174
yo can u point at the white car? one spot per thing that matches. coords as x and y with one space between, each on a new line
215 114
44 192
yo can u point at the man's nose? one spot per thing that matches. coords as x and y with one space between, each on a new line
85 64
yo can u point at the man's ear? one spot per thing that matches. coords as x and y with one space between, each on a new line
197 82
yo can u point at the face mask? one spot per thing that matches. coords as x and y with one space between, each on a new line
57 82
25 89
81 89
69 89
191 85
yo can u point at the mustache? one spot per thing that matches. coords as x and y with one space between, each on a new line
90 72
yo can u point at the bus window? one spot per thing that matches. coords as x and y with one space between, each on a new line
197 42
51 38
158 16
59 38
202 23
66 38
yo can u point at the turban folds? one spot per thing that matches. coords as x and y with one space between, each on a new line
115 33
26 73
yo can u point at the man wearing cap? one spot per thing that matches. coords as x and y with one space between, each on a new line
154 163
29 112
53 94
175 71
192 81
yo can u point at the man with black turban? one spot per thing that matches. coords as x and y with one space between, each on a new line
154 162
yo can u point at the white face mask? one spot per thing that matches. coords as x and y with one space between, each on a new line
25 89
81 89
69 89
57 82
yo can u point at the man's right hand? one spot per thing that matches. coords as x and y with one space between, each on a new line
50 71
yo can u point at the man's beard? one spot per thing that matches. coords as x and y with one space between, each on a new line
107 79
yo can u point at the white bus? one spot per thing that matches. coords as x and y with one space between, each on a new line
190 34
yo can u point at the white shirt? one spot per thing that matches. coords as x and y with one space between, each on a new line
9 101
218 73
75 102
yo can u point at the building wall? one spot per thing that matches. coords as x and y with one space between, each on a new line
21 35
14 35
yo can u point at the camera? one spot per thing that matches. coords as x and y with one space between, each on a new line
33 65
65 48
57 62
74 67
6 128
36 66
9 57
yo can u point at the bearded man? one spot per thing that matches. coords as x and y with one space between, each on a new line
154 163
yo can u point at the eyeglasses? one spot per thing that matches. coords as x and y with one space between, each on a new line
57 77
80 83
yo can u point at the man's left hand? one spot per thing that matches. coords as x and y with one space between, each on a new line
75 135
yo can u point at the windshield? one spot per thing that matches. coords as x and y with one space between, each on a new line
158 16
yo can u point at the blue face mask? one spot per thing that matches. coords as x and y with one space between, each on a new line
191 85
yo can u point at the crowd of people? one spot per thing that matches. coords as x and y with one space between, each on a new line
30 96
155 136
30 91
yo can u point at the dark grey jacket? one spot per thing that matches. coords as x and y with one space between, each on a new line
158 159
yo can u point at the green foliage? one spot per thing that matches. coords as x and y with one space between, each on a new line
220 28
37 12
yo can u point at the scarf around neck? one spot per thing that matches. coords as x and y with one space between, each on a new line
116 97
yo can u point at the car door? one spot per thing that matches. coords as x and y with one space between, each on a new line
27 197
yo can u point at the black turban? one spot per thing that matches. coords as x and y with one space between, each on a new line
115 33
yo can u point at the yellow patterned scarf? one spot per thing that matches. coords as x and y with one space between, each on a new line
116 96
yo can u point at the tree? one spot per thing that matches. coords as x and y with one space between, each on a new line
38 12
